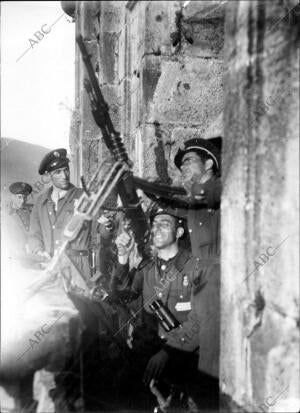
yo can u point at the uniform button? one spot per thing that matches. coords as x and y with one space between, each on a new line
163 267
162 337
53 226
200 223
181 296
80 253
56 242
160 295
190 230
182 339
50 213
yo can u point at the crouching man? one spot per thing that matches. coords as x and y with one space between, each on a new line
168 276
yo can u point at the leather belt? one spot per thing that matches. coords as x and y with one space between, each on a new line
78 253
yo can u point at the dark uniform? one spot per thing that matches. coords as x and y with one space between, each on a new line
47 224
203 325
22 217
16 223
170 281
14 233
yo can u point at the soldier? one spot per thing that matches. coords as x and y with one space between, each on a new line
199 163
167 276
14 237
54 209
16 224
19 206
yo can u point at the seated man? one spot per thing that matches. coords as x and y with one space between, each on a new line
167 276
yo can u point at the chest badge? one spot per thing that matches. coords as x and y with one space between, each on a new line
185 281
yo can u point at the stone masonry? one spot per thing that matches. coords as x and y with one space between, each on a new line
172 70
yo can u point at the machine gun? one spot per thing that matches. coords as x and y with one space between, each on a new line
96 193
120 176
124 182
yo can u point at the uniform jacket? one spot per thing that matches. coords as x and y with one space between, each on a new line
203 325
204 220
15 230
47 226
22 216
171 282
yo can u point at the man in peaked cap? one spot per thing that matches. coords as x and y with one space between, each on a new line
53 210
16 224
20 192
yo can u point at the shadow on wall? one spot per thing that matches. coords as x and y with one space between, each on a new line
161 163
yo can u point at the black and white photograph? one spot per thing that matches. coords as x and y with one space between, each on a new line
150 206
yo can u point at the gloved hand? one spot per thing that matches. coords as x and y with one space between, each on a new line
155 366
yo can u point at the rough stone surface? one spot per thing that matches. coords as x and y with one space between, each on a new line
260 290
162 94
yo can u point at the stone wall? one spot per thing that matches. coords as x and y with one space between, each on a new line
260 208
167 77
159 93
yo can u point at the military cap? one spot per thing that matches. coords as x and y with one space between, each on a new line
54 160
211 147
20 188
155 210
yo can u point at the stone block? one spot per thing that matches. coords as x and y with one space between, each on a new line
109 57
208 38
112 97
151 73
159 24
112 15
188 93
89 19
136 37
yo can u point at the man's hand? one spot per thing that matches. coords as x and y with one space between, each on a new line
155 366
189 181
107 225
44 254
124 243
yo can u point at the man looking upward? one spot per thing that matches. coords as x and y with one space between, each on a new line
167 276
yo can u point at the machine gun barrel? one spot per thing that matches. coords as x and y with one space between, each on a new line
100 109
125 186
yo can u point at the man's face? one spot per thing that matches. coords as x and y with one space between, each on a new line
192 166
163 231
61 177
19 200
